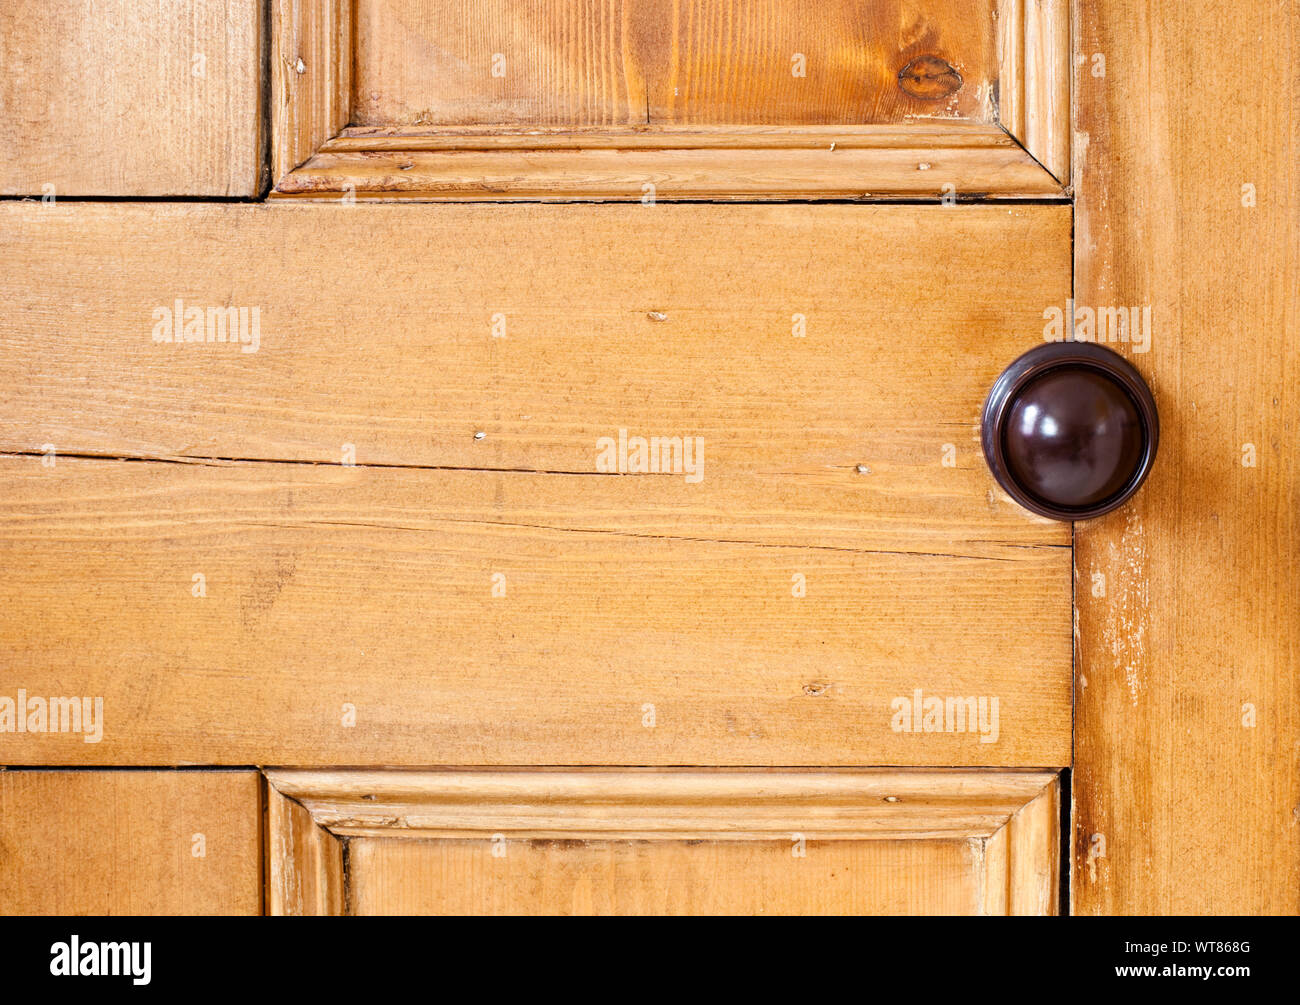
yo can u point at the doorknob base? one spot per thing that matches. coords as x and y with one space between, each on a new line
1070 430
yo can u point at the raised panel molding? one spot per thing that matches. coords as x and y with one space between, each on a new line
1033 99
304 867
317 151
311 77
1010 819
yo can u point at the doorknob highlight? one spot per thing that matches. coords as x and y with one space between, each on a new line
1070 430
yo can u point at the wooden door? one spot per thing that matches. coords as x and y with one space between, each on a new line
544 443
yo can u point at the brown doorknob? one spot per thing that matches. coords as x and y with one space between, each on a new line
1070 430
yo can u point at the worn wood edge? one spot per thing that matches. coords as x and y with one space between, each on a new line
264 126
992 861
1034 75
1010 97
1185 804
1020 861
647 170
310 106
664 804
304 861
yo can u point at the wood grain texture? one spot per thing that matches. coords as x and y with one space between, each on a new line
1034 73
1187 771
544 877
304 862
959 160
643 623
671 101
311 77
663 804
123 99
687 841
1021 860
372 585
661 62
377 330
125 842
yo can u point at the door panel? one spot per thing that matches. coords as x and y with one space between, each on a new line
461 574
520 496
130 842
119 98
646 100
667 877
669 842
384 538
651 62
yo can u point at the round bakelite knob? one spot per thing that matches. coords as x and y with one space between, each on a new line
1070 430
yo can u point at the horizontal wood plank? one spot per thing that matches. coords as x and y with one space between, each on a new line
407 330
125 99
349 617
645 619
